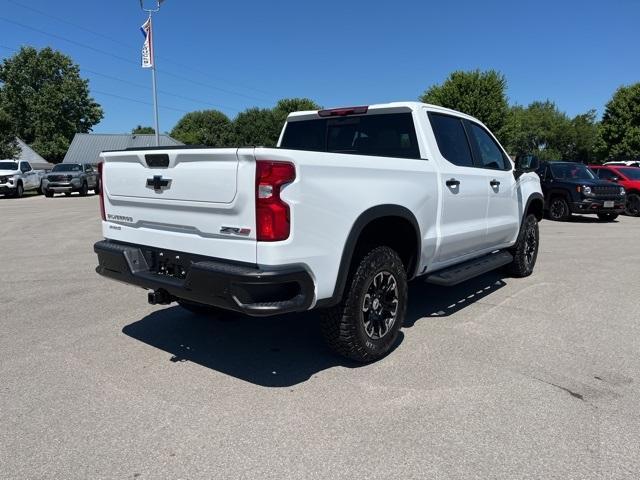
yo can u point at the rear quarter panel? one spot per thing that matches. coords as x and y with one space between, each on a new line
330 192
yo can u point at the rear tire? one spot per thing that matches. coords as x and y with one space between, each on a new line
525 251
607 217
364 326
559 210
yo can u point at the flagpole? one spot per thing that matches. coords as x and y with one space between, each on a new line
152 55
155 90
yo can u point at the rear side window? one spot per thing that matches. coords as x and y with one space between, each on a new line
488 152
384 135
452 139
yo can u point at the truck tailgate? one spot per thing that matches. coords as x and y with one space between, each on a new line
195 200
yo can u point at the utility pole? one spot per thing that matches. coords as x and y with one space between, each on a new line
148 61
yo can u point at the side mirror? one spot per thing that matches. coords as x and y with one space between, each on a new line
526 164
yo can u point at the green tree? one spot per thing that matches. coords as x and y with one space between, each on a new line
47 100
207 127
287 105
476 93
256 126
620 127
584 138
140 130
544 130
8 144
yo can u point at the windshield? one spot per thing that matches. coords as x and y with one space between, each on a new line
67 167
575 171
8 165
631 173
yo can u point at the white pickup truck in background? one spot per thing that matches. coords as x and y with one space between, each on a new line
17 177
352 204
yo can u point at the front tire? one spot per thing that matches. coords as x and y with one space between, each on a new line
607 217
84 189
364 326
525 251
633 205
559 210
19 191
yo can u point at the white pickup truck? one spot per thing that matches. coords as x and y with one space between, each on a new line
17 177
352 204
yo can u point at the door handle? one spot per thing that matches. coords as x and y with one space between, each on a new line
494 183
452 182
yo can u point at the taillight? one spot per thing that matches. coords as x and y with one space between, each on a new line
343 112
272 214
100 165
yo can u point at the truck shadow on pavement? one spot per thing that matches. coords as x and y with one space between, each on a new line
285 350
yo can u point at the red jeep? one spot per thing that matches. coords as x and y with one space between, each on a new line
628 177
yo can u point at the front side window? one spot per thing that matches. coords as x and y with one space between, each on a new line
451 139
25 167
605 173
488 153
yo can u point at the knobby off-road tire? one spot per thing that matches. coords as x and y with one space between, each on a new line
607 217
525 251
633 205
559 210
364 326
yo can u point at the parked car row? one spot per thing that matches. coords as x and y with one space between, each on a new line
603 190
18 177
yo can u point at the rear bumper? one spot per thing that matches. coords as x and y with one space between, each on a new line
210 281
598 206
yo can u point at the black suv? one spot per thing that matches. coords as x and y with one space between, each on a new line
570 187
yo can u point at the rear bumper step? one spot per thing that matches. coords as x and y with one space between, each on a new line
469 269
210 281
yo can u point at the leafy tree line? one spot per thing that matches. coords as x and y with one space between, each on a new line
254 126
44 101
540 127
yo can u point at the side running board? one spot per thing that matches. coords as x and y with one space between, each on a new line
469 269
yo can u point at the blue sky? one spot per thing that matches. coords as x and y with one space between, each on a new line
239 54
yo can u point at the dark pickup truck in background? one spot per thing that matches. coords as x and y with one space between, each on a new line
570 187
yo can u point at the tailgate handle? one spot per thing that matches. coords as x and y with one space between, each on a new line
157 160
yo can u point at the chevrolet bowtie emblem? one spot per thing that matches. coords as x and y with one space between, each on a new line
158 183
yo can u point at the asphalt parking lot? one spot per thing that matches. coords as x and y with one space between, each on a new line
497 378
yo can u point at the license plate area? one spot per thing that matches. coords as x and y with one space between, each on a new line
609 204
169 263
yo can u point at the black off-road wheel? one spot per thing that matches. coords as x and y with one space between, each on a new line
84 189
607 217
525 251
559 210
633 205
364 326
